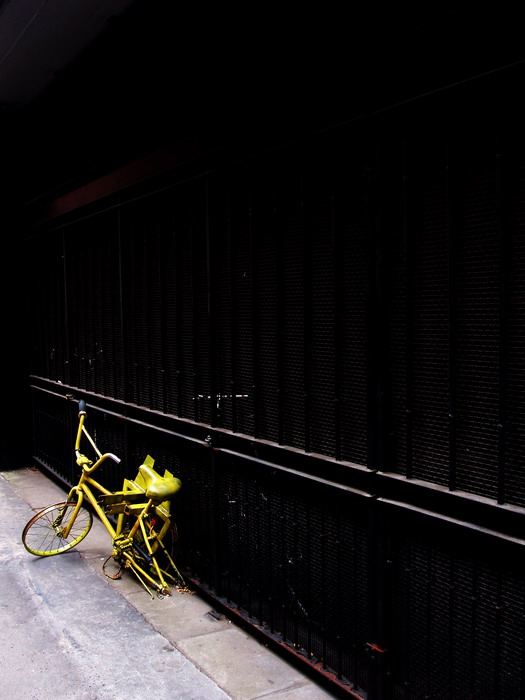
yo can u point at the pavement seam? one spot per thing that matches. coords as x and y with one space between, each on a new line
280 691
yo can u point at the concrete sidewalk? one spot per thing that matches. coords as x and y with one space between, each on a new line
114 637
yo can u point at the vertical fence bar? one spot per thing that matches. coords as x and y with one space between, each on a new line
213 521
379 595
256 326
194 263
500 612
409 316
293 592
407 642
122 312
96 305
376 322
118 369
155 322
521 669
308 557
284 576
271 558
103 350
451 619
87 330
322 566
164 374
307 311
259 539
67 363
132 294
233 310
451 318
503 340
113 379
339 588
247 572
337 248
474 628
179 315
431 642
147 236
212 316
216 466
280 315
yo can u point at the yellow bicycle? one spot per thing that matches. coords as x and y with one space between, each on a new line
142 530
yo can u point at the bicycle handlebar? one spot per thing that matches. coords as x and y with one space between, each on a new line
83 461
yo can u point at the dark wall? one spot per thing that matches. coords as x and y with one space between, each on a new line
157 77
15 295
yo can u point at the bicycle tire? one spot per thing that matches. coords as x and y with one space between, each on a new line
41 536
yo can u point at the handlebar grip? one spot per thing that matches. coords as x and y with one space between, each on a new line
82 406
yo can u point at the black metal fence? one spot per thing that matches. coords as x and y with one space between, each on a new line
326 344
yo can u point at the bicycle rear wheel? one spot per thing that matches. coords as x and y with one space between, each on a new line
42 536
153 550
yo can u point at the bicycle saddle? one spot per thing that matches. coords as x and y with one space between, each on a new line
159 488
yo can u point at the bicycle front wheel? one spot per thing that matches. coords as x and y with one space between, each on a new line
42 536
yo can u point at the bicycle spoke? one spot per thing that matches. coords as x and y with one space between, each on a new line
42 535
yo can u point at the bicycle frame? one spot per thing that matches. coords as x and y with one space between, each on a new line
122 542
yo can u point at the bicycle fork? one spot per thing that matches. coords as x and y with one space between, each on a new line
58 521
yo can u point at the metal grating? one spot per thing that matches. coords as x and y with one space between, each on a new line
290 555
233 316
53 439
297 567
49 352
93 329
476 280
427 312
225 302
513 328
457 619
452 289
358 295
